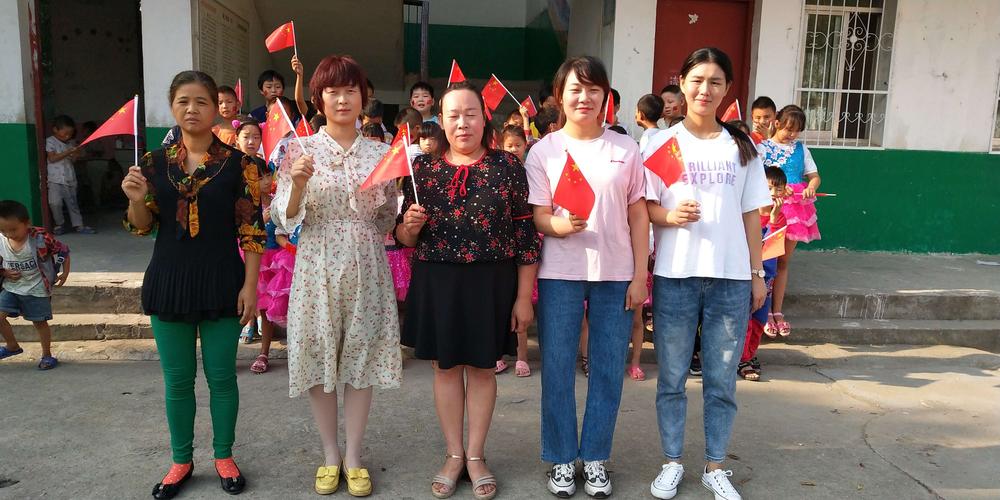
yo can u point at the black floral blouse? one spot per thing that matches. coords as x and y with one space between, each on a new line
201 221
475 213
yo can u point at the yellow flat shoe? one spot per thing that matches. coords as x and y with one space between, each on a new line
327 479
359 483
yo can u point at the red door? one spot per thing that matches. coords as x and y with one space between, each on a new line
683 26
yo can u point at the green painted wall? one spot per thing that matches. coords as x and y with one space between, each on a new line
916 201
20 170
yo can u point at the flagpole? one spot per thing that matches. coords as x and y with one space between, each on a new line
505 90
450 73
239 83
135 127
291 125
409 165
295 42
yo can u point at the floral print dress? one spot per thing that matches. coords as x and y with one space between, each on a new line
343 325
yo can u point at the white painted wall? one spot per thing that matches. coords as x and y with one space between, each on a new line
942 91
16 95
632 55
167 45
777 40
500 14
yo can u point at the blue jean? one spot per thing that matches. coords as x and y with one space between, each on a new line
723 308
560 315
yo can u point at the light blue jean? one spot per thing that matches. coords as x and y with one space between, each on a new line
560 314
723 308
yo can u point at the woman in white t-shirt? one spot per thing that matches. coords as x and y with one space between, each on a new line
599 258
708 267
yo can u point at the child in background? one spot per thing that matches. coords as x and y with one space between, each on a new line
61 150
372 132
373 112
272 86
248 135
412 119
229 107
647 111
422 100
512 140
275 278
673 106
547 121
762 112
30 258
431 138
784 150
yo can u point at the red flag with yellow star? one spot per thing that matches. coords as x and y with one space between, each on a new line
120 123
274 129
456 74
303 129
774 245
394 164
493 93
666 162
281 38
573 192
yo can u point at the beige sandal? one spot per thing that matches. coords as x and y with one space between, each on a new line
445 480
486 480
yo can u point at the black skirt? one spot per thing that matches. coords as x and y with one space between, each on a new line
459 314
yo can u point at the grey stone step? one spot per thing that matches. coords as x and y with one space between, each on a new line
978 334
925 305
88 327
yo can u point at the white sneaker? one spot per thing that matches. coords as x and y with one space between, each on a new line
598 483
562 480
665 484
717 482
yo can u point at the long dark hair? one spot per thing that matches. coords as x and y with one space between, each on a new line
715 56
487 127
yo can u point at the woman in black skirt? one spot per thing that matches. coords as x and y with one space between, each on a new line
476 258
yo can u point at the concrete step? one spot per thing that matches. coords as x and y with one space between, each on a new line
88 327
924 305
978 334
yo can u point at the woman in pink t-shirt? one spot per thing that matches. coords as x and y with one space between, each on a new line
598 257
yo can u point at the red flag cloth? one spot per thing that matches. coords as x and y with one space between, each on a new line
530 105
573 192
774 245
120 123
609 111
667 162
489 116
732 112
493 93
239 92
394 164
303 129
274 129
756 138
456 74
281 38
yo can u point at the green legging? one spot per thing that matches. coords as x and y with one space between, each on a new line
176 345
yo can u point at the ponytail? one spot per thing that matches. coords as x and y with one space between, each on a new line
747 150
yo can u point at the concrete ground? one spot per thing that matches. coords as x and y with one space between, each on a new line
826 422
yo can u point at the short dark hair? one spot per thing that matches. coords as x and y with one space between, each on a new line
199 77
373 108
775 176
372 130
408 116
226 89
672 88
617 96
488 130
764 102
13 209
618 128
428 130
422 86
268 75
650 107
589 70
740 124
513 131
246 121
63 121
545 118
337 71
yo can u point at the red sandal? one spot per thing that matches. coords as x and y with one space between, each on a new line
259 365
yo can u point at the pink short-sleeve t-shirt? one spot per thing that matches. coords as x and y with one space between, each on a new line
613 168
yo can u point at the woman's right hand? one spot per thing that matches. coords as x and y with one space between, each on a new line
686 212
302 171
414 219
576 224
134 185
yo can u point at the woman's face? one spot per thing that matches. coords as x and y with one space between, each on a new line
581 102
462 121
787 134
704 86
248 140
193 108
342 105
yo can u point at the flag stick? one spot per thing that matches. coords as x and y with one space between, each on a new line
239 83
505 90
409 164
821 195
135 127
292 125
295 42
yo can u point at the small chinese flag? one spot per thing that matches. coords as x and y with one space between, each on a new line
239 92
281 38
756 137
455 75
493 93
530 106
394 164
573 192
609 111
666 162
303 129
732 112
774 245
274 129
120 123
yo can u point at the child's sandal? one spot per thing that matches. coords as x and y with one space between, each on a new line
230 476
521 369
771 328
502 366
747 371
636 373
260 365
6 353
784 329
171 484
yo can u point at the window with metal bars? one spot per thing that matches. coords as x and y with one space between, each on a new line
843 81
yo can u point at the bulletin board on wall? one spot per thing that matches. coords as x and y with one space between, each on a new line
222 46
